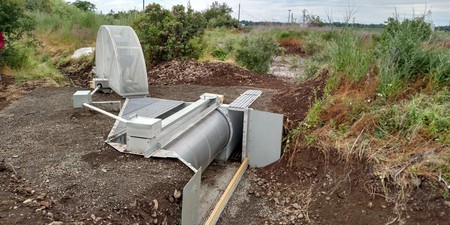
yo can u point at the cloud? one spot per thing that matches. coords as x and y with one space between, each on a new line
366 11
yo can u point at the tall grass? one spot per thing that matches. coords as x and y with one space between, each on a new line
60 29
439 67
78 29
219 44
422 115
349 55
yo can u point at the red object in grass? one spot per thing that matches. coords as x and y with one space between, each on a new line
2 41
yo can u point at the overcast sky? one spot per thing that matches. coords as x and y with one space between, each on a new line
366 11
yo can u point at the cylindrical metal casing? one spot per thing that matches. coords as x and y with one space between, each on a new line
204 141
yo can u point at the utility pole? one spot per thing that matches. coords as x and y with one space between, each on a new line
239 14
289 16
143 5
304 17
292 17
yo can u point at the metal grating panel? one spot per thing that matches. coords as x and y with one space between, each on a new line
145 107
246 99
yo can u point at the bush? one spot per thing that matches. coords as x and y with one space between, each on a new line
16 56
401 54
255 52
84 5
219 15
14 24
167 35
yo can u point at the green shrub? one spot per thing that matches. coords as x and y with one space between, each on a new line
14 24
255 52
84 5
167 35
401 54
16 56
39 5
417 29
14 20
219 15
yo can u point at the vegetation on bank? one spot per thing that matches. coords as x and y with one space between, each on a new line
42 34
386 100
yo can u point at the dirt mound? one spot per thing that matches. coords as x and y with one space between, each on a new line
326 189
184 72
292 46
295 101
79 72
210 73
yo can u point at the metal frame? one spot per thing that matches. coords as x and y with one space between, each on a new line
151 142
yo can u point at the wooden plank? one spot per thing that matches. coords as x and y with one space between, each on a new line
220 206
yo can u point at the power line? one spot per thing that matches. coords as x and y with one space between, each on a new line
251 14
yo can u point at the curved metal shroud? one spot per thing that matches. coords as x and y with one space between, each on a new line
204 141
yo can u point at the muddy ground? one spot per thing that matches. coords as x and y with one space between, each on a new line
55 167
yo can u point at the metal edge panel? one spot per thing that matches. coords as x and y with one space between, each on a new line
264 137
245 134
191 200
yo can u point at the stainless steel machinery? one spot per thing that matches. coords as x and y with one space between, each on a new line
196 133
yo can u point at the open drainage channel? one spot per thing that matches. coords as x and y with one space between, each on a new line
196 133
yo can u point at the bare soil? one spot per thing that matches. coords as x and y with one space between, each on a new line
54 165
